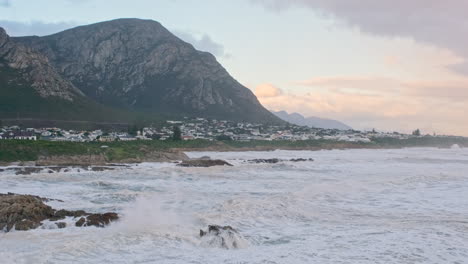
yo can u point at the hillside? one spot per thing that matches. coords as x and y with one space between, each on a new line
138 66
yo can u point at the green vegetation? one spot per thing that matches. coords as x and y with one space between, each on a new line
23 150
427 141
177 134
20 150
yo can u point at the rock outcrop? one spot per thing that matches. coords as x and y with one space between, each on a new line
25 212
223 237
275 160
203 163
98 220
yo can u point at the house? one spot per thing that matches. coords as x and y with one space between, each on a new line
21 135
188 138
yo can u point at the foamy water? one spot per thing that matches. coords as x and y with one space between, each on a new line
352 206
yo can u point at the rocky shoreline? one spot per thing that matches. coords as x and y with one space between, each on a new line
25 212
30 168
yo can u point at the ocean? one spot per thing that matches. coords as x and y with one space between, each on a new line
345 206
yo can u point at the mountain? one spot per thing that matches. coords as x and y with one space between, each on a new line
300 120
31 88
130 65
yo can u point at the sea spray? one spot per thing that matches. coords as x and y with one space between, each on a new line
150 213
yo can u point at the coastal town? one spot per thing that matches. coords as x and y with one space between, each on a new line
198 128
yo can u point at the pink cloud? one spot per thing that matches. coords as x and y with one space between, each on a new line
267 90
412 104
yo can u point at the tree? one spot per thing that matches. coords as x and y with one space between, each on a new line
133 130
177 134
223 138
155 137
417 133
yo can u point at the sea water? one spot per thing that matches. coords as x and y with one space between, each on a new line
346 206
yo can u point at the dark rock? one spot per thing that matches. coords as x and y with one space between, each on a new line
301 160
61 225
98 220
27 170
78 213
35 196
222 236
23 211
203 163
101 168
216 230
25 225
101 220
80 222
271 161
61 214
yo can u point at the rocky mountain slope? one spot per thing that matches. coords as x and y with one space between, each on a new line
33 68
300 120
138 65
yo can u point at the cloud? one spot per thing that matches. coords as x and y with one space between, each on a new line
203 42
267 90
39 28
5 3
454 90
440 23
402 106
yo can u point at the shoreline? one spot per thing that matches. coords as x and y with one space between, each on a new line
92 162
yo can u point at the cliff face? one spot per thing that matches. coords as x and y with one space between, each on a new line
139 65
20 65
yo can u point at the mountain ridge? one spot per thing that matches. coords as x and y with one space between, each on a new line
138 65
298 119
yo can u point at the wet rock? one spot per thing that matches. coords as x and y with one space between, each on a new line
35 196
61 225
301 160
203 163
98 220
222 236
101 168
275 160
61 214
101 220
25 225
23 212
80 222
27 170
270 161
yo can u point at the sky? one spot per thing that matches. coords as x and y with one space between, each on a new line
390 65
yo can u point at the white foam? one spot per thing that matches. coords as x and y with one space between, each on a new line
347 206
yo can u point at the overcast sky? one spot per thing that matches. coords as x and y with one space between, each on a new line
390 65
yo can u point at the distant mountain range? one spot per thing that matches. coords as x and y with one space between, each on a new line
300 120
118 70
